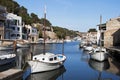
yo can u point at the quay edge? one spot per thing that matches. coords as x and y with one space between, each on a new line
11 74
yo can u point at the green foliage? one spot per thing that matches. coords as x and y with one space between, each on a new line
63 32
92 30
47 22
13 7
34 18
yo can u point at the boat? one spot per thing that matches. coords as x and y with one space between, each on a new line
25 45
99 53
100 67
7 58
88 48
6 45
22 44
49 41
46 61
51 75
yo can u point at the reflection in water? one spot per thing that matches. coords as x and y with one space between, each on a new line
22 57
7 66
99 66
51 75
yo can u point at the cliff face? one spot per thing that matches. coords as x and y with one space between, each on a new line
50 34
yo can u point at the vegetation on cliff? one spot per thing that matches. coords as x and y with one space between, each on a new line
13 7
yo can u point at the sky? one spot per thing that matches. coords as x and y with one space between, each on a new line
78 15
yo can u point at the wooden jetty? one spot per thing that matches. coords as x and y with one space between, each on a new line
11 74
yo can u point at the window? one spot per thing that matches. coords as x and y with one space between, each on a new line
18 35
55 58
13 28
13 35
18 29
51 59
43 58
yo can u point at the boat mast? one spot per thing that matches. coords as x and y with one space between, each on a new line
44 28
100 30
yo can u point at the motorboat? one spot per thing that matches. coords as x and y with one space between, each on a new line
7 58
88 48
25 45
22 44
6 45
99 54
46 62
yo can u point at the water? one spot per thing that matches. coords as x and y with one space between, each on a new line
77 66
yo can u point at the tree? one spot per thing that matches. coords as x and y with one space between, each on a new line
34 18
46 21
92 30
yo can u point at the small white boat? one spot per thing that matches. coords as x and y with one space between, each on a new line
6 58
88 48
46 62
67 40
99 54
25 45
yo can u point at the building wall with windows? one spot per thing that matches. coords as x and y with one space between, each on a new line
32 33
13 26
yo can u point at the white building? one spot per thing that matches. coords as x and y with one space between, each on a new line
32 33
15 27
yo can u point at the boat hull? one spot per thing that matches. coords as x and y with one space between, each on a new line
23 45
37 66
7 59
100 56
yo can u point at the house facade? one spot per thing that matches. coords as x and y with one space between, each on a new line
2 22
100 34
14 27
32 33
112 33
109 33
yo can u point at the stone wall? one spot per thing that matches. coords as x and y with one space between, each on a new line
111 34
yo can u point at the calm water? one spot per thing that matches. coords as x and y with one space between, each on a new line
77 66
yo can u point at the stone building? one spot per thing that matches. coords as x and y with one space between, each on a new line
112 33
